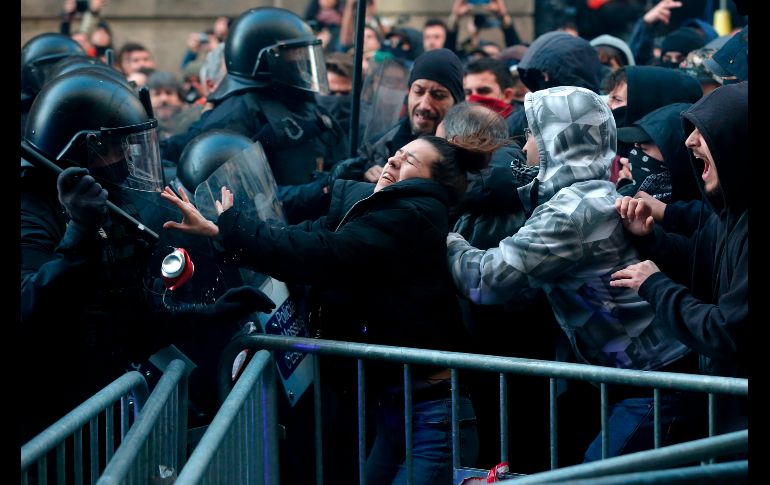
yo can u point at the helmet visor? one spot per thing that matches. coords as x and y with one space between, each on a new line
299 64
127 158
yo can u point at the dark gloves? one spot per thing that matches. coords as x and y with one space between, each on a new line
83 198
238 302
349 169
234 304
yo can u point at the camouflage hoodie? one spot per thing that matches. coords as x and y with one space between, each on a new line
572 241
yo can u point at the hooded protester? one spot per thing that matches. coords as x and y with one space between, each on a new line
709 311
613 52
649 88
556 59
635 91
569 245
677 45
659 160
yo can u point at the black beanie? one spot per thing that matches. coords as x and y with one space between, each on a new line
442 66
682 40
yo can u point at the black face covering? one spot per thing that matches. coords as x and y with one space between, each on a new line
643 165
669 64
114 174
620 116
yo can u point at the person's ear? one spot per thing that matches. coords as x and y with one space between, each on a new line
509 94
519 91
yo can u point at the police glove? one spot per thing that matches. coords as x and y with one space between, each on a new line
83 198
238 302
234 304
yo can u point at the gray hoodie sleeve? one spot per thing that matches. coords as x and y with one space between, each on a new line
549 245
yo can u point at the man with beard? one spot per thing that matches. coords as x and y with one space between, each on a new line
698 284
173 114
435 85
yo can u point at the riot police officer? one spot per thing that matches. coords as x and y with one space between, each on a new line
90 304
274 66
38 56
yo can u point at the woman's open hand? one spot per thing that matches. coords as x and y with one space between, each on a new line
192 220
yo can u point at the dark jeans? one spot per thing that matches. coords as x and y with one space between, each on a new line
432 442
631 425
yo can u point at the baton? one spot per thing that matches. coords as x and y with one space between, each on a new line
33 156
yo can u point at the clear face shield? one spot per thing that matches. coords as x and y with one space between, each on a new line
255 193
128 157
297 63
250 179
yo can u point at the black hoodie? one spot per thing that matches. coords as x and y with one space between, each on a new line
710 311
651 87
664 126
568 60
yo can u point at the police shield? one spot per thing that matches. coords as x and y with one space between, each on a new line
382 96
248 176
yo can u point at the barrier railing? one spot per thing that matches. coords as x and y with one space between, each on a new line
241 443
155 448
650 466
129 390
604 376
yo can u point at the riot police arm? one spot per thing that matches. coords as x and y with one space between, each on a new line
55 263
234 304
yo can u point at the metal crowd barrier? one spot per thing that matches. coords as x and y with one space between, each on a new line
241 443
651 466
67 433
503 365
156 446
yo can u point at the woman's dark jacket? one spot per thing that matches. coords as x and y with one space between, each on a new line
379 264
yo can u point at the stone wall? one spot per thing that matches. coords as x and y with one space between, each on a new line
163 25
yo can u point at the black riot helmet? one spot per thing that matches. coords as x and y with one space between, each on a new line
39 54
269 44
73 63
207 152
85 118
